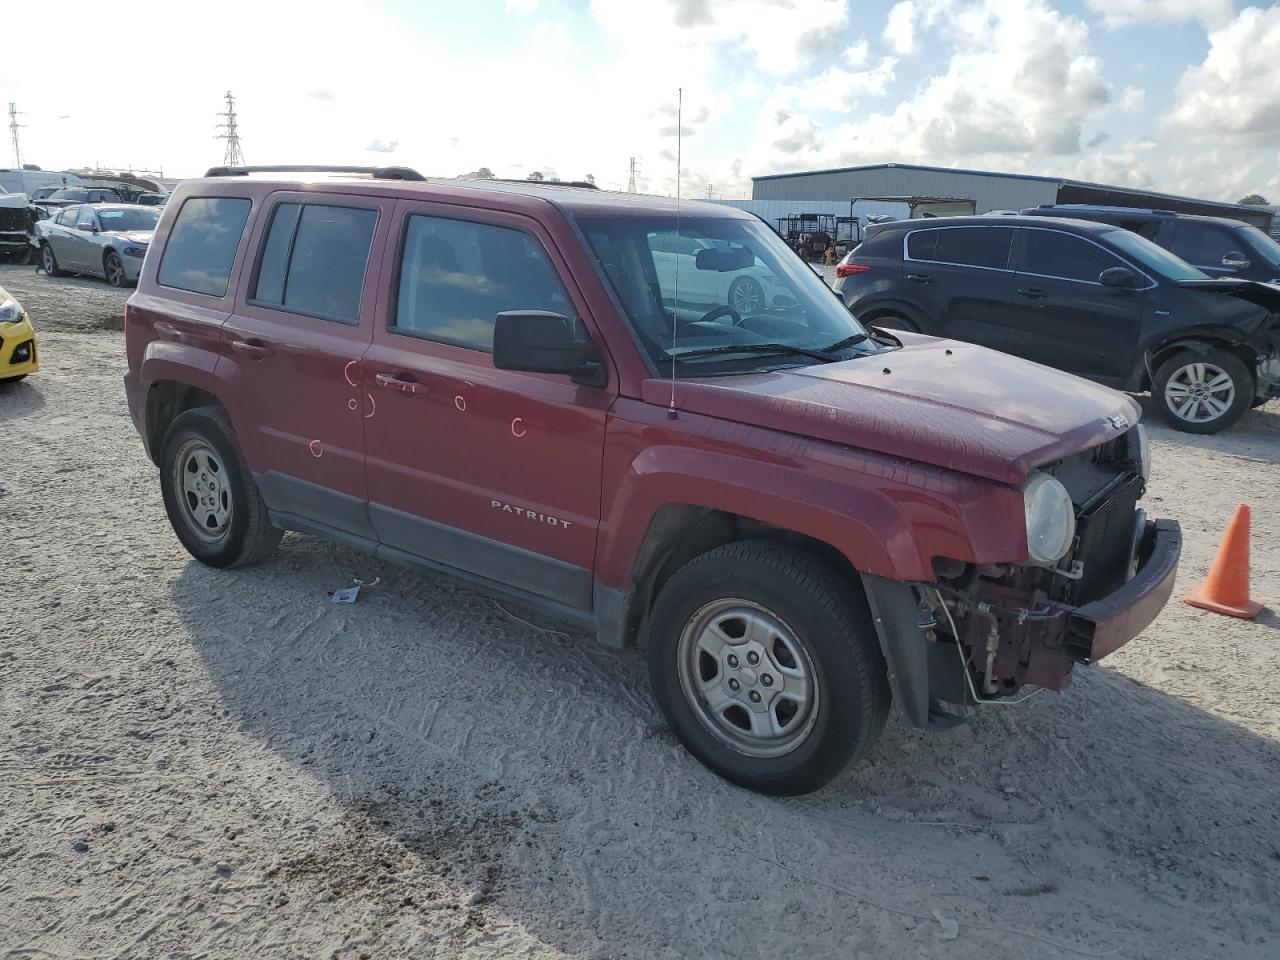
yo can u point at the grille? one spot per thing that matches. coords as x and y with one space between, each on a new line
13 220
22 352
1105 529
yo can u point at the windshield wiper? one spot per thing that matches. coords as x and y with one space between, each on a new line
846 342
756 348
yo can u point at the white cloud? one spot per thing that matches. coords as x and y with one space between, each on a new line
1020 85
1125 13
1235 93
1132 99
522 6
858 54
900 28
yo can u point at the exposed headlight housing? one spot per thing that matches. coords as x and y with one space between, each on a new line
1140 450
1051 519
135 251
10 310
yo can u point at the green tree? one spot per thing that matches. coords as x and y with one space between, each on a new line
484 173
591 179
536 175
1254 200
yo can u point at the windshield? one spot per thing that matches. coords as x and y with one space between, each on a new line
738 285
115 221
1262 245
1153 257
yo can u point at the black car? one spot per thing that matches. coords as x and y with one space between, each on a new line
1218 246
1089 298
69 195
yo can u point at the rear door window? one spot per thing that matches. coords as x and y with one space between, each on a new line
975 246
202 245
314 260
1053 254
456 276
1202 245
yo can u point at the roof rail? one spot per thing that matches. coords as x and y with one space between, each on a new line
378 173
582 184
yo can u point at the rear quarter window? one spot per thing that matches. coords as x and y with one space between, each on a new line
975 246
202 245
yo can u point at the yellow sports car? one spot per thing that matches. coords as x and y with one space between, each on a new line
17 341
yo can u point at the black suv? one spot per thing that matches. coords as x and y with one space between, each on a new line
1089 298
1218 246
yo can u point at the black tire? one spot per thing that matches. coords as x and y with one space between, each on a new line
1176 368
113 269
50 262
746 296
894 321
248 537
828 615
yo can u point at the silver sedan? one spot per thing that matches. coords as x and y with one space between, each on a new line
105 240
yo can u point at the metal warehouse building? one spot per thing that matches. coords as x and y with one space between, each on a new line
989 191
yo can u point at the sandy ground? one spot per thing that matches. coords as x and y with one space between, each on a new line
197 763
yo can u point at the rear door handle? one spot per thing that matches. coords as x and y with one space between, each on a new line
254 349
401 382
918 277
1031 293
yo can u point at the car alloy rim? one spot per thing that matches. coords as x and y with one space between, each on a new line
1200 392
204 490
48 260
748 677
746 297
115 271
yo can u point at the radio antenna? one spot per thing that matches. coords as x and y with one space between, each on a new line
675 313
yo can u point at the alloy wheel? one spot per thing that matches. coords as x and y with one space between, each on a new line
748 677
115 271
1199 392
745 297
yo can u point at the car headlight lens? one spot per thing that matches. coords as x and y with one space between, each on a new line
135 251
10 311
1051 519
1140 450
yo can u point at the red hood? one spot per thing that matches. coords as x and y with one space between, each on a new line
942 402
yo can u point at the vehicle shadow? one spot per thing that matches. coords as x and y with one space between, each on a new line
1256 436
21 399
527 764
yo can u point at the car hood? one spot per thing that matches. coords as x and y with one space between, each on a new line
1265 295
135 236
942 402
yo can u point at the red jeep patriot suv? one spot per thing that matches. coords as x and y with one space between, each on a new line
654 421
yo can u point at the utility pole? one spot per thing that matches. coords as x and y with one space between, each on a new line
631 180
708 189
14 126
233 156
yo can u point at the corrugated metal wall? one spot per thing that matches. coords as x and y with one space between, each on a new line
987 192
772 210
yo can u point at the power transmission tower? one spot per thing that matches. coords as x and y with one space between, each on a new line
631 180
14 127
234 156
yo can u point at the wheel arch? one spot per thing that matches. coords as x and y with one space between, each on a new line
868 315
166 399
1200 343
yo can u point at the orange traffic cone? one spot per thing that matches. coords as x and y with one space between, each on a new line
1226 589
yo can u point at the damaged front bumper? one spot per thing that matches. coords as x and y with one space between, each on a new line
965 647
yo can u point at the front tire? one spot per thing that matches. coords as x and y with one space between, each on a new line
210 495
746 296
1203 393
765 662
50 262
113 269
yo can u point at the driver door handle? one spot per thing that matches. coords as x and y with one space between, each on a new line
253 348
401 382
1032 293
918 277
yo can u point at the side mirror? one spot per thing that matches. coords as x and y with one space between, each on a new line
1235 260
538 341
1121 277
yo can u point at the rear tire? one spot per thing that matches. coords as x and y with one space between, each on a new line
50 262
210 495
1203 393
894 321
797 639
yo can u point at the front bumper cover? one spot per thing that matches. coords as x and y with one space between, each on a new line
17 349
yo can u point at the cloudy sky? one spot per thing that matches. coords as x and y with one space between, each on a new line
1179 95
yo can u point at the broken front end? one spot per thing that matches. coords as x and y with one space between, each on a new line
1098 573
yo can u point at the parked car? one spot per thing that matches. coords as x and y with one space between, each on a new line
749 289
70 195
17 341
1217 246
15 221
104 240
151 199
1088 298
795 517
